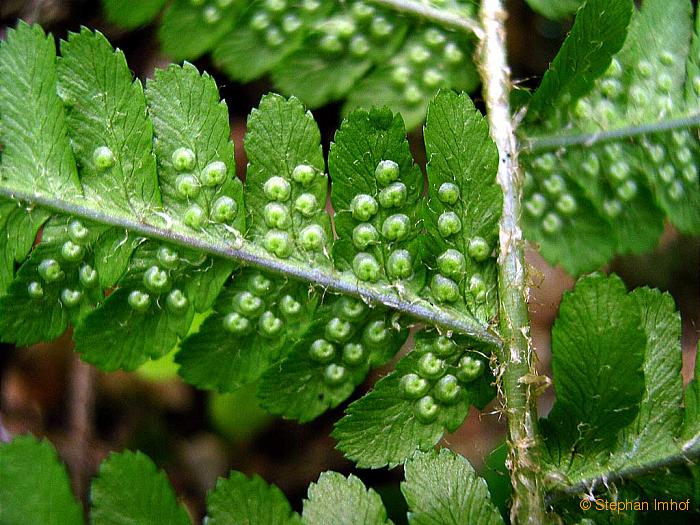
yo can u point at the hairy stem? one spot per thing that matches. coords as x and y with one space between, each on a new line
516 356
236 248
441 17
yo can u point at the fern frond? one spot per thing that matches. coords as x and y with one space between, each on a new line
611 143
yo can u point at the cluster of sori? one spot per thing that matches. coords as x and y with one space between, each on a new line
347 341
187 185
281 221
451 264
439 376
371 212
72 255
252 306
157 281
213 11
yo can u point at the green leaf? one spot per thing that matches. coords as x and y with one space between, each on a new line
255 321
443 489
626 159
35 485
56 285
330 358
18 229
691 418
430 59
376 197
598 350
342 501
111 136
131 15
263 36
286 184
239 500
131 490
429 392
33 127
462 188
190 29
337 53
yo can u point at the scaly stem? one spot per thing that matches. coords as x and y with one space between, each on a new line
438 16
516 356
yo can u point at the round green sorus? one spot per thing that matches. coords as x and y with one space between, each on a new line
447 390
430 366
612 208
362 11
536 204
312 237
334 374
156 280
419 54
248 304
363 207
184 159
444 289
87 276
276 6
71 252
567 204
375 333
187 185
363 235
412 94
260 21
277 189
211 14
427 409
279 243
444 346
449 223
350 308
434 37
470 369
167 257
396 227
291 23
260 285
359 46
365 267
354 354
338 330
387 171
71 298
277 215
176 302
448 193
35 290
269 324
214 173
194 217
274 37
381 27
331 44
311 6
289 306
50 271
400 264
477 286
552 223
224 209
304 174
451 263
139 301
306 204
413 386
432 78
479 249
77 232
401 75
554 184
236 323
103 158
322 351
627 191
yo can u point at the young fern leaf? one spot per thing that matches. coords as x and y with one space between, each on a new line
239 499
430 391
18 228
130 15
628 156
35 486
